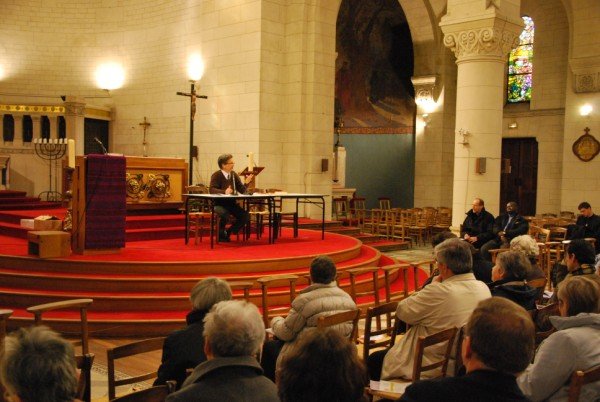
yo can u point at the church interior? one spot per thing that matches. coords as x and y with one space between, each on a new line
421 103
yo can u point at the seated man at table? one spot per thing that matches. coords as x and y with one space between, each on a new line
225 181
498 345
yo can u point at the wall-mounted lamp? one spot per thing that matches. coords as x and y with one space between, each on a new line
513 125
195 67
426 118
465 136
586 110
110 76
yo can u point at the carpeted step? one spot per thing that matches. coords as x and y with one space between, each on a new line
33 205
345 230
154 221
390 245
13 230
367 238
18 200
12 193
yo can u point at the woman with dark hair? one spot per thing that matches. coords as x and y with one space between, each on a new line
322 366
574 346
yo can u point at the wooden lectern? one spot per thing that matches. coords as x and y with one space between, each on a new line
99 204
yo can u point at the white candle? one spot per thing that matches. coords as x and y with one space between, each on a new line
71 153
250 162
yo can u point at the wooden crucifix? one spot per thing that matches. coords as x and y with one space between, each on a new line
192 95
145 125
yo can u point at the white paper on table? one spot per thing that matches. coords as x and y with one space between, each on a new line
389 386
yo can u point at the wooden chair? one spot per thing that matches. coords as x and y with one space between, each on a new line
200 213
354 273
402 269
494 253
84 383
4 314
153 394
280 214
270 281
81 304
385 203
443 220
382 335
567 215
243 286
341 209
125 351
458 361
331 320
579 379
540 285
448 336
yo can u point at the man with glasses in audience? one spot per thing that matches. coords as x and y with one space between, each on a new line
225 181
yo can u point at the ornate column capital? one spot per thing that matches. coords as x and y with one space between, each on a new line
586 74
491 41
74 106
425 88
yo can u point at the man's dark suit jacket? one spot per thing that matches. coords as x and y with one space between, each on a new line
590 227
476 386
517 227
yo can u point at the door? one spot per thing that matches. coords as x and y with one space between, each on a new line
519 173
95 132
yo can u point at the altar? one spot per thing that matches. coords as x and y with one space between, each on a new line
155 183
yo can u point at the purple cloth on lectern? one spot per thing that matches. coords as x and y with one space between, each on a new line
105 202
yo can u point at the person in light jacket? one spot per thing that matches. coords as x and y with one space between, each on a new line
322 298
447 302
574 346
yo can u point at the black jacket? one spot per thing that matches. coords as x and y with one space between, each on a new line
589 227
515 290
183 349
481 225
476 386
518 226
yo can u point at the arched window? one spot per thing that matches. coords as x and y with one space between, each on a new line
8 128
27 128
520 66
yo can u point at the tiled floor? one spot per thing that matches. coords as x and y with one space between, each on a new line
417 253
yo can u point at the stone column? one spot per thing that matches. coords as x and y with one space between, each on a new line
37 126
18 140
75 121
480 40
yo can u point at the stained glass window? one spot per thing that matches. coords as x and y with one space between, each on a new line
520 65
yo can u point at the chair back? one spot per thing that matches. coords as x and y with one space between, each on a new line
458 361
157 393
84 383
288 282
341 208
128 350
579 379
423 342
81 304
389 271
385 203
243 286
372 290
331 320
384 334
540 285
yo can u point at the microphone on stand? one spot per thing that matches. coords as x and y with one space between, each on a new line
104 151
233 181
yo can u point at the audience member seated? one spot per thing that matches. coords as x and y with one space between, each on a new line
233 336
574 346
38 366
579 260
587 225
507 226
323 297
482 269
528 246
478 225
509 275
322 367
498 345
447 302
184 349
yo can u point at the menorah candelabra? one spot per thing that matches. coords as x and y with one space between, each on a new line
51 150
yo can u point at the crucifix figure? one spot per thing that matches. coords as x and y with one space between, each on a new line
145 125
193 96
